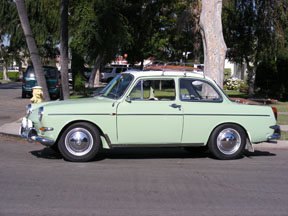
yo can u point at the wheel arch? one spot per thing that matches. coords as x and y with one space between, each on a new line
77 121
233 123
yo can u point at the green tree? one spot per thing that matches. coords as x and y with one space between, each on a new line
99 31
249 33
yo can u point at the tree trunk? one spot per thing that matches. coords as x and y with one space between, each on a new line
20 72
20 4
64 49
5 71
213 41
92 80
251 70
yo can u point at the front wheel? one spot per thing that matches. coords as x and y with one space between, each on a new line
80 142
227 142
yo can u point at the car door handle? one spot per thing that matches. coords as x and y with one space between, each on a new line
175 106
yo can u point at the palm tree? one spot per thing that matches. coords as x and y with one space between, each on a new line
64 48
32 47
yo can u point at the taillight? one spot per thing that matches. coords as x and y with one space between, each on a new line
57 84
275 112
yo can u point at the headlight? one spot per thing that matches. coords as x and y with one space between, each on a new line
40 113
29 109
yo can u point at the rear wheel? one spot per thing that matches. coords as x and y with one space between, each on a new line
227 142
23 94
80 142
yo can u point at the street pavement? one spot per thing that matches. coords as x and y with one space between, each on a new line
12 105
34 180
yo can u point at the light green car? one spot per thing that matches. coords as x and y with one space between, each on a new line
151 109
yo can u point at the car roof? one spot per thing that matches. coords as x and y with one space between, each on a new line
169 73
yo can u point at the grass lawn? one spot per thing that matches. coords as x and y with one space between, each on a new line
237 94
282 119
281 106
11 75
78 96
284 135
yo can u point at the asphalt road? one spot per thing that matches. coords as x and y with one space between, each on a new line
12 106
149 182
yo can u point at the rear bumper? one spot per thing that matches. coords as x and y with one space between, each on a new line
276 134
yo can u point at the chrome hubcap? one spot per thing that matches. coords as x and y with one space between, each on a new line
79 141
228 141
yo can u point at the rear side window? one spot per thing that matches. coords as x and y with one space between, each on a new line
198 90
120 70
107 70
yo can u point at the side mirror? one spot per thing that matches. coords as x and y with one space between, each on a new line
128 99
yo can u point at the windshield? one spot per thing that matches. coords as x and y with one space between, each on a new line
116 88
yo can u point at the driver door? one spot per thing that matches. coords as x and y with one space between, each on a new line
151 114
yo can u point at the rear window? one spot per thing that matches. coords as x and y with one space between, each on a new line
49 72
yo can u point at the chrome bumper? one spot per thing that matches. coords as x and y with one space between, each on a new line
276 134
31 134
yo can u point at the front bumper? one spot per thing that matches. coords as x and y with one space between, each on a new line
276 134
29 132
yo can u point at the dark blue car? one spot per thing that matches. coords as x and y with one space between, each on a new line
52 76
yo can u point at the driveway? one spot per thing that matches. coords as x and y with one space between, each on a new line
12 105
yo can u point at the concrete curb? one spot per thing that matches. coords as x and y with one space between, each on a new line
11 135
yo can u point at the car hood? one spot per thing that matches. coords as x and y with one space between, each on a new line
78 106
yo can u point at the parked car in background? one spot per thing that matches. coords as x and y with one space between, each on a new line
52 76
109 72
154 108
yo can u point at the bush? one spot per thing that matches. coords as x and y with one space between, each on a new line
272 78
243 87
79 83
234 83
227 73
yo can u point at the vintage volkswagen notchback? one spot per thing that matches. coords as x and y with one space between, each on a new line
151 109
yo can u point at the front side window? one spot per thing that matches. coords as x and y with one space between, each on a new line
153 89
198 90
117 87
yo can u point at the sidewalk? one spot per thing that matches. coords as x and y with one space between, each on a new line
12 129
